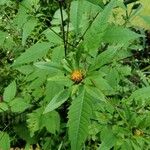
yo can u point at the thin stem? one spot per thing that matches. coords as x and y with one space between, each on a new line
68 11
61 37
62 26
81 38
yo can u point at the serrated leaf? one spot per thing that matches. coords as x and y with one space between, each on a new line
104 58
142 93
51 121
49 66
35 52
61 79
79 119
94 35
76 14
108 139
57 101
28 27
18 105
34 120
95 93
117 34
10 92
37 121
102 84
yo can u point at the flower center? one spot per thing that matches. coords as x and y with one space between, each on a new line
77 76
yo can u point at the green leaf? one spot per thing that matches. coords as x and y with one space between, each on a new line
28 27
10 92
141 94
61 79
51 90
53 37
35 52
3 36
57 15
76 14
126 145
146 19
51 121
57 100
30 4
37 121
95 93
108 139
26 69
4 141
79 119
2 2
34 121
104 58
58 53
3 107
18 105
21 17
117 34
102 84
22 131
49 66
94 35
97 2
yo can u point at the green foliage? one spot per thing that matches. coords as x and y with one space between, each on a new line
4 141
35 52
79 119
72 77
10 92
57 101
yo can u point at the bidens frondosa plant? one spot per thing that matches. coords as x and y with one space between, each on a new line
75 85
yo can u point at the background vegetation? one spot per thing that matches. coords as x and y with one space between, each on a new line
75 74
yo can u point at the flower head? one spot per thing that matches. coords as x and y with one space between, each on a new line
77 76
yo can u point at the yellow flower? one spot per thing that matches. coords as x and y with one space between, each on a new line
77 76
138 132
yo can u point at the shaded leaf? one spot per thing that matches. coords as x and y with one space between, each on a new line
10 92
51 121
28 27
53 37
108 139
